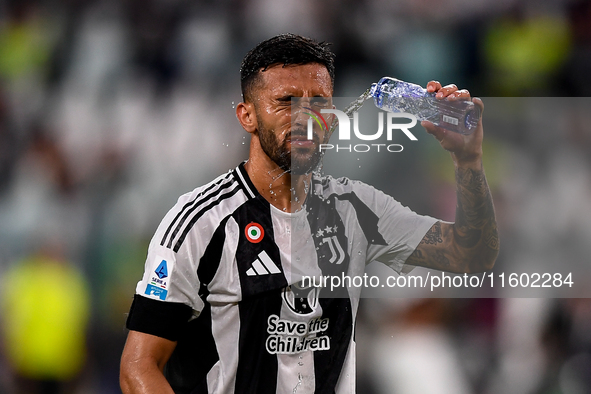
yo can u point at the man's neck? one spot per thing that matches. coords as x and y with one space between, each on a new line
280 188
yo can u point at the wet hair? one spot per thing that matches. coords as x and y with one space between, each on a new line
286 49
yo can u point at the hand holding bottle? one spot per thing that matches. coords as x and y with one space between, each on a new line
464 148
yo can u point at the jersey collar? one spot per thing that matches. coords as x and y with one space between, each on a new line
245 182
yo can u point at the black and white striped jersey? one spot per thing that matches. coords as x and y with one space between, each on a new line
223 278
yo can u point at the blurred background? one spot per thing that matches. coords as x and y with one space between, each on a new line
109 110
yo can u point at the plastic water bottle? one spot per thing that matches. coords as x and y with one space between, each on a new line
460 116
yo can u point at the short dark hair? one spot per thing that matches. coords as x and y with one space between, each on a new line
286 49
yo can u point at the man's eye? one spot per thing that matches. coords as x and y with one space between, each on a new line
321 103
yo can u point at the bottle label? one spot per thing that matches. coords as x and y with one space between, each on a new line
450 120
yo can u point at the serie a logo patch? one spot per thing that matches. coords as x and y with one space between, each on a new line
158 285
254 232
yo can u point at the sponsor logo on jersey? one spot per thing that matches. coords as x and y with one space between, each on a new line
263 265
301 300
159 292
254 232
291 337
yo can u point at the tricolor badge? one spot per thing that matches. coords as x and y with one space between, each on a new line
254 232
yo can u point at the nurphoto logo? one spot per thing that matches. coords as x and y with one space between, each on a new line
344 130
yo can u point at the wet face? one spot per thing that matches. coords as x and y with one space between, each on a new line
282 126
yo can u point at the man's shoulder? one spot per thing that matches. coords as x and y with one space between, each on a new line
226 192
221 182
201 211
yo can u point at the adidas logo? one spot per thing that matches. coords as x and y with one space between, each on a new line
263 266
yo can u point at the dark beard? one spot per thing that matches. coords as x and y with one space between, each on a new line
281 155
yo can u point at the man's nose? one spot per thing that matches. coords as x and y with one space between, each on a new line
300 112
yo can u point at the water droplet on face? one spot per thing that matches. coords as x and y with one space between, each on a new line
233 106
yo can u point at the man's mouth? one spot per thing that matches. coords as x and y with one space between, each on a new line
301 140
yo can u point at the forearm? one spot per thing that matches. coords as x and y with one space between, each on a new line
142 363
471 244
475 229
143 377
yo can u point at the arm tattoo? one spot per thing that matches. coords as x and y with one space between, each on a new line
472 242
433 236
475 214
441 259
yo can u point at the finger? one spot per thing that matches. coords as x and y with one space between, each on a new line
433 86
477 101
463 94
446 90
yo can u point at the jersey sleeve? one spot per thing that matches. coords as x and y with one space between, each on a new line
167 295
170 276
401 229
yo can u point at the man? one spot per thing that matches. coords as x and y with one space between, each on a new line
221 307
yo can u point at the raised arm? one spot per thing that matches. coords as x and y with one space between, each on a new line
471 244
142 363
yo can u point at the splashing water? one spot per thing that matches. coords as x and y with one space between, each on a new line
275 177
295 389
306 186
354 106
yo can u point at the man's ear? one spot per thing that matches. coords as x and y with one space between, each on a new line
247 116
